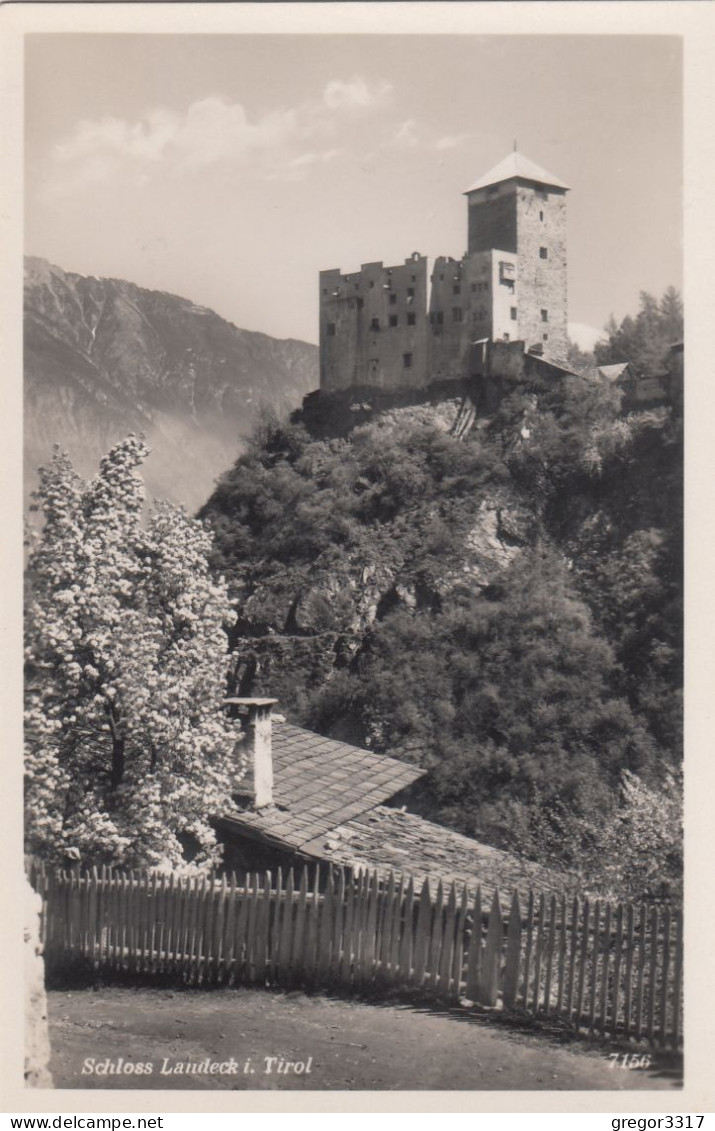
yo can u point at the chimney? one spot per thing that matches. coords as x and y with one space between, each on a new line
256 716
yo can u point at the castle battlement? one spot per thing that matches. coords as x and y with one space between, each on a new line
396 328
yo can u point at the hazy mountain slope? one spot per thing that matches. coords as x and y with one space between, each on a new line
104 357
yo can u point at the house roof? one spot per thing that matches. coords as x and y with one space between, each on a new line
516 165
613 372
392 840
319 783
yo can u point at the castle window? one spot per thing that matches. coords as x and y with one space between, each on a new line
513 313
474 286
456 289
411 291
407 360
331 329
393 320
541 215
456 314
374 323
411 319
543 253
506 337
372 283
360 304
506 272
393 299
544 316
325 290
545 337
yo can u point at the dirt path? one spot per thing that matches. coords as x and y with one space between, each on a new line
339 1044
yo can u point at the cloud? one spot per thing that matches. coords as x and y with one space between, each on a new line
210 131
298 168
338 95
406 136
449 141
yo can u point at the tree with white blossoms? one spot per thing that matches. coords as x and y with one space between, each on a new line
128 750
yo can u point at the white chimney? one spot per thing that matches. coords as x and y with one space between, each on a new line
258 732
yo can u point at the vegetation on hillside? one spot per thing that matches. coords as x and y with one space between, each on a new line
504 611
644 340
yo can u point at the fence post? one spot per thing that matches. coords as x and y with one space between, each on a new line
393 956
346 959
653 972
605 964
617 963
422 936
406 943
628 985
491 963
539 952
325 931
434 952
474 955
594 965
336 950
513 953
640 984
550 947
562 956
459 940
299 931
677 976
529 949
449 943
286 933
664 979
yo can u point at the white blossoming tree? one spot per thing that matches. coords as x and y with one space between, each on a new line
128 752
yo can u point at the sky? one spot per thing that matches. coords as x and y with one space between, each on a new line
231 169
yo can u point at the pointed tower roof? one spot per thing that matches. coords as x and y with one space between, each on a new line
516 165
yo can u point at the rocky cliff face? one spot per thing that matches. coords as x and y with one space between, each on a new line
104 357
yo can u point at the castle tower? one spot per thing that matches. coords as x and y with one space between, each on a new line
517 218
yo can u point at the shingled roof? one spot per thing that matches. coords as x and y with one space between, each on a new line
319 784
392 840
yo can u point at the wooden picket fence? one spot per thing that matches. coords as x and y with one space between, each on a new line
609 970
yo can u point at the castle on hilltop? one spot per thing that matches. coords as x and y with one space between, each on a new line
407 327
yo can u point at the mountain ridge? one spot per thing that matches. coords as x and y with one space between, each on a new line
104 357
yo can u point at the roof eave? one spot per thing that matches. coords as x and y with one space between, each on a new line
552 183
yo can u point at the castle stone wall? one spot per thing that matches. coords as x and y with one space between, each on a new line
541 223
373 326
